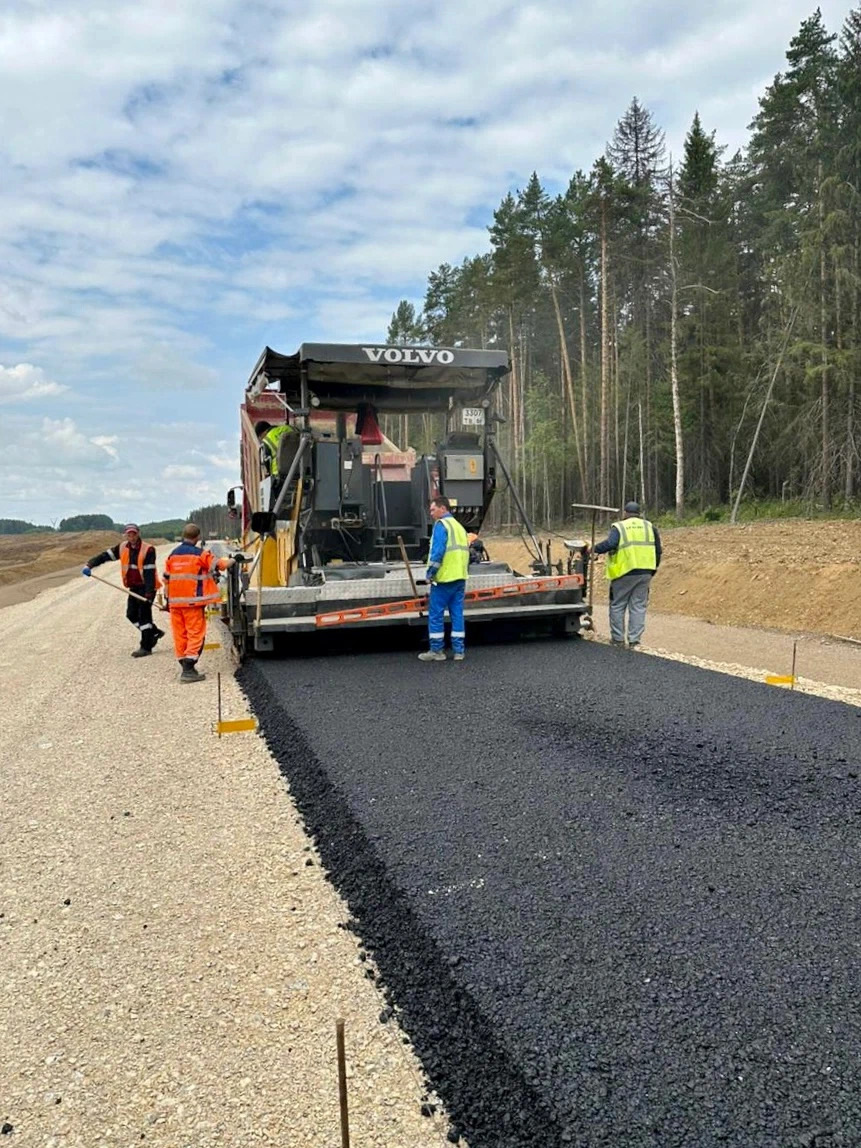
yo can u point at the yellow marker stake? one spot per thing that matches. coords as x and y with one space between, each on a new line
239 725
784 679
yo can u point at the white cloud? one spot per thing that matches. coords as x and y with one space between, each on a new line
181 472
59 442
107 442
25 383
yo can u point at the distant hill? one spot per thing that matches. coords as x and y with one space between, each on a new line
214 521
18 526
170 528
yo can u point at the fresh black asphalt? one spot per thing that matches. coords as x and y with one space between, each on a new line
613 899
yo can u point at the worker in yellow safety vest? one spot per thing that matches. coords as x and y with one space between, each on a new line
448 570
633 549
270 438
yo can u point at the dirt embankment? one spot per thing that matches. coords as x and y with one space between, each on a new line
785 575
31 563
32 555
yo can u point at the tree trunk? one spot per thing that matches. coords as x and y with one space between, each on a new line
569 384
642 454
786 336
823 337
850 413
674 372
605 366
514 412
624 497
616 397
583 381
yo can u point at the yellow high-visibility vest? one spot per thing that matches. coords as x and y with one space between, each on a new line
272 439
455 563
636 549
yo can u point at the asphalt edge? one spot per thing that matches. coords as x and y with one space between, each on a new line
488 1099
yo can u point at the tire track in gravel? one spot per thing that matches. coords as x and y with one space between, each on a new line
614 899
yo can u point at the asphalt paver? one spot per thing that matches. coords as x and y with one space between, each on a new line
613 899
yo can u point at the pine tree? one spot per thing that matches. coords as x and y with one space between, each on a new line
791 150
438 305
849 276
637 154
405 327
708 289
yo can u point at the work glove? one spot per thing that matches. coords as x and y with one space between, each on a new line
86 571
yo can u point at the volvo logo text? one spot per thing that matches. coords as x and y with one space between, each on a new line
417 355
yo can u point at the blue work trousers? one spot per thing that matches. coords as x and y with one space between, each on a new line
446 596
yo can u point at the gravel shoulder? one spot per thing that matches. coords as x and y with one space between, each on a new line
174 958
823 666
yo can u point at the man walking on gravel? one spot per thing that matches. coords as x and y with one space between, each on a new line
633 549
139 575
190 588
448 567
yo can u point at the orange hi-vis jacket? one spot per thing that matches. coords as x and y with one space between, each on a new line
188 576
145 560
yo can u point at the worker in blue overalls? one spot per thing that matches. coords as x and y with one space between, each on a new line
448 565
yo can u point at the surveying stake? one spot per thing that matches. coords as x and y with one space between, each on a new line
238 725
784 679
342 1083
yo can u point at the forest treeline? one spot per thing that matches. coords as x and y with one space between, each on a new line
214 521
684 332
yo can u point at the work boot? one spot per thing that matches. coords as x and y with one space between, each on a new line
459 657
633 645
141 652
158 634
432 656
189 671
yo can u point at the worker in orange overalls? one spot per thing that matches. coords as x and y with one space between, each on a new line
190 588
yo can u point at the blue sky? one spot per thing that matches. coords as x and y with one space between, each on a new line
185 181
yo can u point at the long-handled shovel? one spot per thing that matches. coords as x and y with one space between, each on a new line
126 591
409 570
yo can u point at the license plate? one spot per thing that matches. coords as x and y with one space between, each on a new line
473 416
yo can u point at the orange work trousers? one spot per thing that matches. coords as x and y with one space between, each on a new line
188 624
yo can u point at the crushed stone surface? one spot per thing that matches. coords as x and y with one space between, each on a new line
614 899
172 957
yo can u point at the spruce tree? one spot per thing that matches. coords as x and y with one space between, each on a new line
405 327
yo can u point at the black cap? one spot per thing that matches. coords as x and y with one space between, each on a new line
260 427
632 508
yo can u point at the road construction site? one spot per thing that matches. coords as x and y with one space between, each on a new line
561 893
